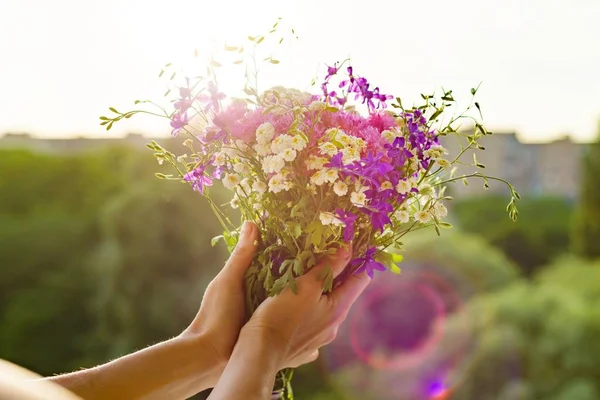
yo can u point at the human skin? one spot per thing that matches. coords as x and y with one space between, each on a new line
218 349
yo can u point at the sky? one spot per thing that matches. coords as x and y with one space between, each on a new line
64 62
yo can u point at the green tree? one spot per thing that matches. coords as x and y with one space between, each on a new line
586 227
539 235
538 340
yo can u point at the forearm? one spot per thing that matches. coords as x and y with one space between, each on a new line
175 369
251 371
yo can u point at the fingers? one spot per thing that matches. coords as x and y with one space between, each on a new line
313 279
346 294
244 252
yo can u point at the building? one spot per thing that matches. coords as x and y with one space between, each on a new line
535 169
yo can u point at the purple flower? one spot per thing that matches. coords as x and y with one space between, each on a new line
331 71
348 219
198 178
379 211
336 161
178 121
213 99
368 263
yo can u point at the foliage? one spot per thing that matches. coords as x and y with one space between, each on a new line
539 339
539 236
586 227
95 264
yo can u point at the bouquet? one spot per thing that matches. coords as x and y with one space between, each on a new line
345 164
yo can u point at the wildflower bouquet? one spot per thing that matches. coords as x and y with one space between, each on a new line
316 171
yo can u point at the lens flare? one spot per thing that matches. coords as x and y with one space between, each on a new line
409 338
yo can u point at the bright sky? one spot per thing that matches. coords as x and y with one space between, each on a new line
63 62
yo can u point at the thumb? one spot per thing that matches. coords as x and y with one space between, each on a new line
244 252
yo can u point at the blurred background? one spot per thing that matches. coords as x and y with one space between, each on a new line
98 258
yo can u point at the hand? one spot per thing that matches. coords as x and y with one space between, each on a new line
297 325
222 312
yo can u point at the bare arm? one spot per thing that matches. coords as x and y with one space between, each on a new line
175 369
286 331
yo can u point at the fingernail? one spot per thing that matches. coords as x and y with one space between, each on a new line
345 252
245 230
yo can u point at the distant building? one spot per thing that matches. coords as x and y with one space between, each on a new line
534 169
20 141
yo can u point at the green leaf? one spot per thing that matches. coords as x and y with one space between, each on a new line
160 176
279 285
260 39
298 267
231 48
113 110
326 275
292 282
161 73
272 61
297 230
215 240
285 265
390 260
436 113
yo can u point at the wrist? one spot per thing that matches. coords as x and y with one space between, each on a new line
265 340
207 361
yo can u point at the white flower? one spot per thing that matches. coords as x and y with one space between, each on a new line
386 185
435 151
331 175
288 154
359 143
349 155
439 210
423 216
245 186
259 187
262 150
235 202
328 218
358 199
340 188
403 187
344 139
318 178
277 183
281 143
402 216
442 162
230 181
315 162
220 159
241 168
328 148
272 164
265 133
298 143
182 158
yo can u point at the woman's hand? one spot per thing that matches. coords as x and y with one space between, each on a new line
297 325
287 330
222 312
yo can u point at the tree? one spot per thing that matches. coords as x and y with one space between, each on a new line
586 227
538 340
539 235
